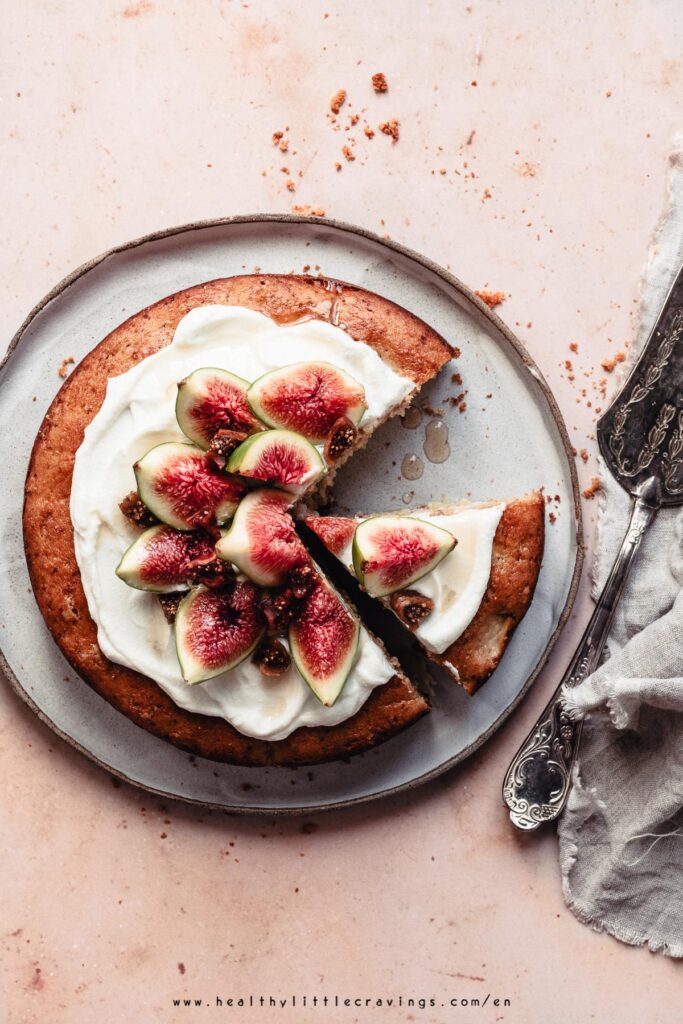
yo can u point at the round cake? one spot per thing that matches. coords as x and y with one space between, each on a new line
396 352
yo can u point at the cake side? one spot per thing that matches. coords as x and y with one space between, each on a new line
517 553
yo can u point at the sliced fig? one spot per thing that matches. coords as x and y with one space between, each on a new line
272 658
161 559
278 457
323 639
180 486
262 540
217 629
391 552
308 398
210 400
334 531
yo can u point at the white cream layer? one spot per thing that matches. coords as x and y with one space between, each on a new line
458 583
138 413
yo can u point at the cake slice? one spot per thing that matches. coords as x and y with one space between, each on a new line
461 600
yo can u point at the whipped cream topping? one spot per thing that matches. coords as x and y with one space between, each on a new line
138 413
458 583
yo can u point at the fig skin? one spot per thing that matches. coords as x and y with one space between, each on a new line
308 398
211 399
278 458
181 487
323 639
215 630
392 551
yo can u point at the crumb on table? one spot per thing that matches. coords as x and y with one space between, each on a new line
492 299
593 488
391 128
610 363
63 370
309 211
337 101
379 82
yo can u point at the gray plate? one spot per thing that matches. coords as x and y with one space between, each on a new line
502 446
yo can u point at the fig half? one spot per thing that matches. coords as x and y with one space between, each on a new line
323 640
180 486
262 540
391 552
278 457
217 629
160 559
308 398
211 399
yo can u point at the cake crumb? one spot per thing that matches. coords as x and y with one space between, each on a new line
492 299
276 137
309 211
290 185
63 370
573 347
181 968
283 145
391 128
456 378
593 488
337 101
337 166
348 153
584 455
552 517
369 132
609 364
379 82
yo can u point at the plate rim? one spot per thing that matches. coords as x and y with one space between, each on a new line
501 329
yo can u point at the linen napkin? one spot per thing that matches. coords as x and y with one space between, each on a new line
621 835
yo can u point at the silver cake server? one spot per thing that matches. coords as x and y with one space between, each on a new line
641 440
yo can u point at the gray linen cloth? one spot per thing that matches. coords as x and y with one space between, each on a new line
621 836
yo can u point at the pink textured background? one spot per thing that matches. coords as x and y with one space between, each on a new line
118 120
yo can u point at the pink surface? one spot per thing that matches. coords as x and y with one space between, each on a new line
552 123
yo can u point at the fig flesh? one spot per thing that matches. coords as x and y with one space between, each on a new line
280 458
217 629
180 486
323 640
161 559
210 400
308 398
262 541
391 552
334 531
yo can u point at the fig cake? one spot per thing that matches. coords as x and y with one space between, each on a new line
161 541
148 465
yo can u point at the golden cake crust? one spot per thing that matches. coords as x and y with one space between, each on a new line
515 565
405 342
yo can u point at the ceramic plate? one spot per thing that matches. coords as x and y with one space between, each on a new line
503 445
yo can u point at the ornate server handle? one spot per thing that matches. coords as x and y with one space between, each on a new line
538 779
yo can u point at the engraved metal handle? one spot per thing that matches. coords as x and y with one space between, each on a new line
538 780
